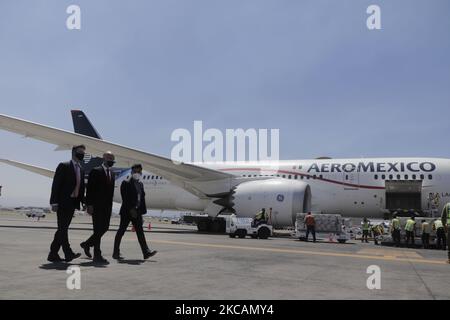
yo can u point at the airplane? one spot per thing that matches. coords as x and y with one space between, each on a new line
369 187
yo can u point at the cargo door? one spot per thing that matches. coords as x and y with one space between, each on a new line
404 195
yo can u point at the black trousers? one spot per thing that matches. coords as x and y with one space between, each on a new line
441 238
396 236
311 229
124 223
426 240
61 239
448 241
100 221
410 235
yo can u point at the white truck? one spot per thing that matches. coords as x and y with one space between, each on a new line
328 226
242 227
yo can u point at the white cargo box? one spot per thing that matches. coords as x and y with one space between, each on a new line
328 226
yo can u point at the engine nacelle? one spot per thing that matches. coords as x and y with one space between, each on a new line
285 197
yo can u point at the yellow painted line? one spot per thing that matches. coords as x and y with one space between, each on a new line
391 253
317 253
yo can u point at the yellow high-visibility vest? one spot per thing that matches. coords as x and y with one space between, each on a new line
447 208
410 225
438 224
395 223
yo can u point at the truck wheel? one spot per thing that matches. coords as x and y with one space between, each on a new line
263 233
241 233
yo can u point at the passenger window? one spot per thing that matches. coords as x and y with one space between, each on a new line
290 176
383 177
430 177
406 177
399 177
321 176
284 176
422 177
414 177
376 177
391 177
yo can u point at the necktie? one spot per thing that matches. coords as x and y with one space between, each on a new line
78 178
108 174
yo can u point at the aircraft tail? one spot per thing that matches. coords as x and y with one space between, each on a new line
82 125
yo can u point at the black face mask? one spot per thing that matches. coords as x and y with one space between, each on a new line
79 156
110 164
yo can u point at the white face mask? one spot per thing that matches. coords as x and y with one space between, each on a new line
137 176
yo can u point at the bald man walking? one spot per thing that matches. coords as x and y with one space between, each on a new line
99 200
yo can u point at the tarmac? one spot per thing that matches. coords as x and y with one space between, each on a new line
190 265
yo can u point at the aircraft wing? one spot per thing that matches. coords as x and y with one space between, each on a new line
42 171
198 180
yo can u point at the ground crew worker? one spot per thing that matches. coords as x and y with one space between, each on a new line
260 217
395 230
376 232
441 239
365 230
310 223
426 230
410 228
445 218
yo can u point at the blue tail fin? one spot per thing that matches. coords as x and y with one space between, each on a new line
82 125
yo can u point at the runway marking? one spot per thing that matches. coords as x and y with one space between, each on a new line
391 253
295 251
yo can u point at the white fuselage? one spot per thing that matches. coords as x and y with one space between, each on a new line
351 187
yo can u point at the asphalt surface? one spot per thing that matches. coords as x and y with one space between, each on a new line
190 265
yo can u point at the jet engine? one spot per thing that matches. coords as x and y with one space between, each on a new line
285 197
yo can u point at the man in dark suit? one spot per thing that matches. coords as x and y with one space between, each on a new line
133 207
99 201
67 194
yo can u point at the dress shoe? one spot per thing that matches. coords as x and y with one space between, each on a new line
149 254
55 258
72 256
86 249
100 260
117 256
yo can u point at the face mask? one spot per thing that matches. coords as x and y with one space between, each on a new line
110 164
79 156
137 176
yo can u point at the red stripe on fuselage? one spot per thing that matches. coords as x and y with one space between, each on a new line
307 175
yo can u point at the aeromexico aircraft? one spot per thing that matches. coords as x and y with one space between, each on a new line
351 187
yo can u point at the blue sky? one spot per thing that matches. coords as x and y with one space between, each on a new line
141 69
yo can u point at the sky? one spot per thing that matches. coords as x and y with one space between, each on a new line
141 69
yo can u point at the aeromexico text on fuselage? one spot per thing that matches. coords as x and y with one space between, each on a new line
372 166
349 167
